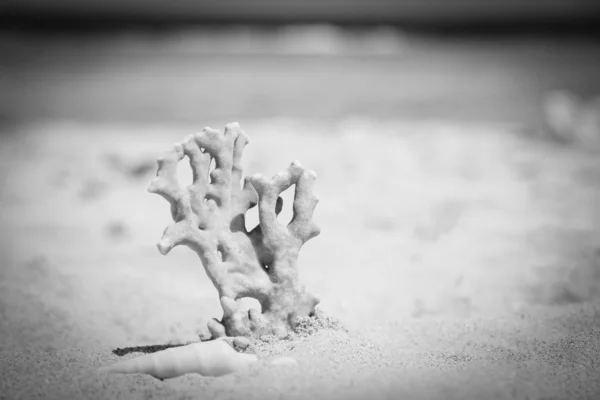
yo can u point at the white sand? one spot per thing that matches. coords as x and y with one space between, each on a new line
464 261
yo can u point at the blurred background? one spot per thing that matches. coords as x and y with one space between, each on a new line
210 61
454 142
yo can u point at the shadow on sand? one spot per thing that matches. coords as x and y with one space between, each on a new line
144 349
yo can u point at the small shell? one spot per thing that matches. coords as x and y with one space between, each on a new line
212 358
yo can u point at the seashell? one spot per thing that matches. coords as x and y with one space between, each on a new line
212 358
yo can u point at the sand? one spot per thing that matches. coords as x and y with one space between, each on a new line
462 259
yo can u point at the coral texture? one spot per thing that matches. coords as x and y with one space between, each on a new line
209 217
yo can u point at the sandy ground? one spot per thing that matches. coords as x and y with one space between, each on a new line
463 259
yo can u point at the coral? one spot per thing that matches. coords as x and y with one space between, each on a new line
209 217
214 358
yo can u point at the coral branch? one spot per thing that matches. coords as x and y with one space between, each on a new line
165 183
209 217
305 202
301 226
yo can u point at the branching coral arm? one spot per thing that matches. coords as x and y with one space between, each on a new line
243 198
165 183
301 227
284 243
200 164
183 231
305 201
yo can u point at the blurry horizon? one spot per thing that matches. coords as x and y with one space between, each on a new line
487 61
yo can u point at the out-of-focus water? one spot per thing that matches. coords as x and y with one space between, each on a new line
214 76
